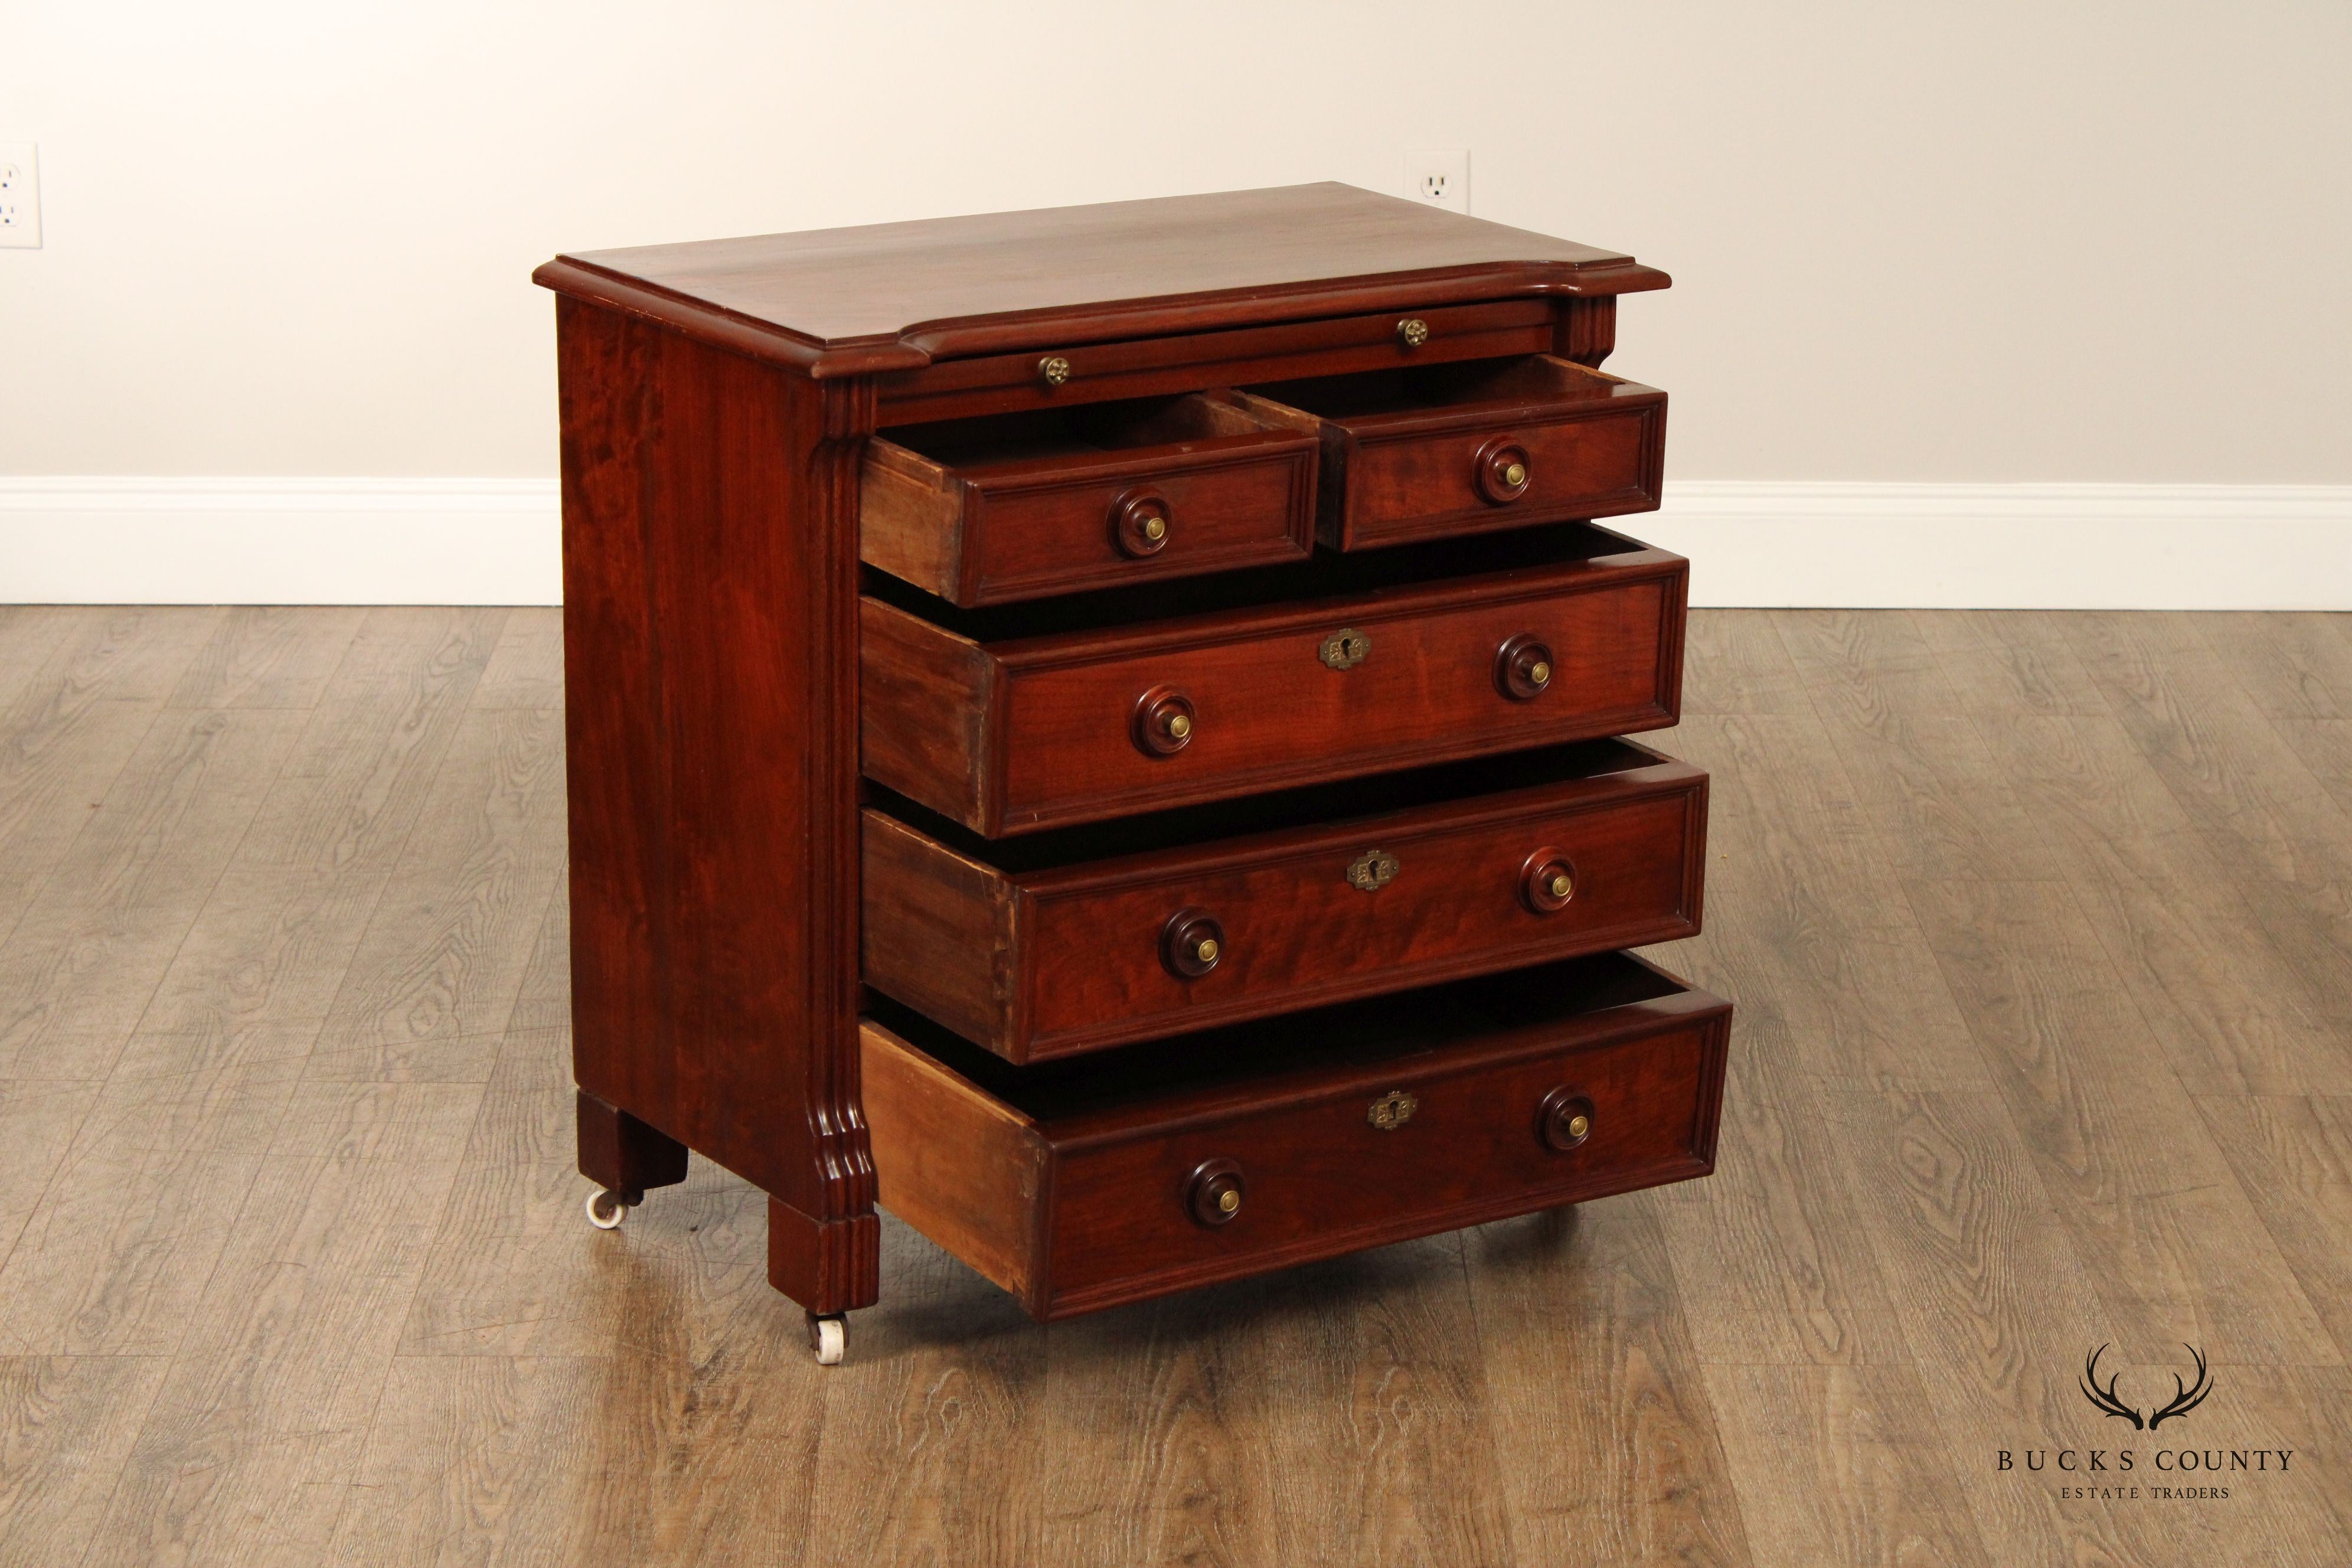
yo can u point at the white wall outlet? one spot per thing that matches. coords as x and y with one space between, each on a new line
1439 179
20 196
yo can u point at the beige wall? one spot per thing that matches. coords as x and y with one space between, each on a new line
2001 242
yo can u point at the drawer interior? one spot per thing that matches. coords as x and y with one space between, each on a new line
1345 801
1329 575
1174 1077
1533 380
1006 443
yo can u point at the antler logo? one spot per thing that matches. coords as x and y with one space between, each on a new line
2185 1399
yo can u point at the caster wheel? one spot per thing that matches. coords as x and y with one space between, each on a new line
829 1337
605 1209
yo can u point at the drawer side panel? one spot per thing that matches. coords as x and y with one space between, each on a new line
956 1164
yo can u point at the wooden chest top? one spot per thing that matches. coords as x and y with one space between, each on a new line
889 297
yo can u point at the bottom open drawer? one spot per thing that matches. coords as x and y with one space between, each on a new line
1081 1185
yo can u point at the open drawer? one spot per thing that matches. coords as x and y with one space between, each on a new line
1003 507
1425 450
1083 1185
1026 717
1060 943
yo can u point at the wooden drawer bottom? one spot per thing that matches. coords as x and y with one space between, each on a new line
1231 1152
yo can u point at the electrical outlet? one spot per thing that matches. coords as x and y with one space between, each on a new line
1439 179
20 196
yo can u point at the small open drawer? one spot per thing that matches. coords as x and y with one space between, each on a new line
1426 451
1004 507
1090 937
1086 1183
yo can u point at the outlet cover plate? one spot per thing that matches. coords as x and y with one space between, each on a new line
20 196
1439 179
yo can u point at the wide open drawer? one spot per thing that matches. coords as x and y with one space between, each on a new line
1031 717
1059 942
1083 1185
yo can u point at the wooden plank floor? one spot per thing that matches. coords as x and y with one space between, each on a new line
2040 927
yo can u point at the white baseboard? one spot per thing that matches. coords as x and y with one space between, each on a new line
2010 547
494 542
76 541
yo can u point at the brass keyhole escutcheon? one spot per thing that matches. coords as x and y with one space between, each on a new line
1501 471
1192 943
1054 370
1547 882
1373 870
1345 649
1413 332
1523 668
1392 1111
1564 1120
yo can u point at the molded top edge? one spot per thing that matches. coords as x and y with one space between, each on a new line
897 296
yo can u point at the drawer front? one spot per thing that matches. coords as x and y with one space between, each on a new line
1404 908
1211 511
1091 739
1439 450
1429 1150
1598 462
1041 961
1143 366
992 510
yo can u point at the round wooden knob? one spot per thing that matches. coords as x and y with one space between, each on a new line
1192 943
1164 721
1413 332
1501 471
1139 523
1053 369
1547 881
1523 668
1565 1119
1214 1192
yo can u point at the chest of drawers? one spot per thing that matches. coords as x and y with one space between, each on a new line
1101 731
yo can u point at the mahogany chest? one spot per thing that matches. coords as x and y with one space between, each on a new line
1101 730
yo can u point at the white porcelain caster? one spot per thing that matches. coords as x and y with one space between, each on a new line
605 1209
829 1337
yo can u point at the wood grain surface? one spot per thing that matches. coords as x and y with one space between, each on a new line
2037 928
893 296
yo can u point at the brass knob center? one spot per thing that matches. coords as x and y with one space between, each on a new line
1155 528
1523 668
1547 882
1191 943
1414 330
1053 369
1214 1192
1564 1121
1500 470
1162 721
